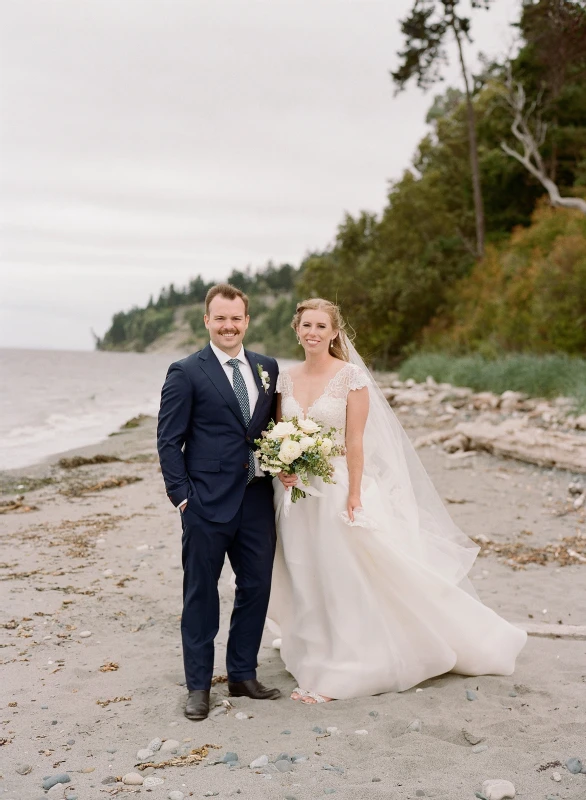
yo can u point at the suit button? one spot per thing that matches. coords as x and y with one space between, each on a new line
248 438
245 466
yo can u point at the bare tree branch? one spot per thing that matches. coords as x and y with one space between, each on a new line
530 130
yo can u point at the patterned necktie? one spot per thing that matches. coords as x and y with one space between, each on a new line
241 393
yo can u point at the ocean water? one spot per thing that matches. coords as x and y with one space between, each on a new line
55 400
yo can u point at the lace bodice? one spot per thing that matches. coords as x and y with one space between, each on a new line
330 407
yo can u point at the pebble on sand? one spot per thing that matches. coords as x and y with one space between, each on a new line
498 789
574 766
555 776
229 758
155 745
361 732
152 781
132 779
284 765
175 795
480 748
241 715
261 761
470 695
415 726
144 755
24 769
52 780
85 634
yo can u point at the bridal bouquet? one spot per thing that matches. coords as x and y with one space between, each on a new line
299 447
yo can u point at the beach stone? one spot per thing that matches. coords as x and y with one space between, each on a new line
261 761
44 707
170 745
23 769
419 793
331 768
241 715
329 791
285 733
85 634
144 755
317 729
555 776
333 731
574 766
54 721
107 573
228 758
147 771
112 750
498 789
480 748
70 741
284 765
416 726
298 759
53 780
376 780
109 779
152 781
155 745
512 694
361 732
175 795
56 792
471 738
470 695
132 779
282 757
373 714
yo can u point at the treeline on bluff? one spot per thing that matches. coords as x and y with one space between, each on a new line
412 278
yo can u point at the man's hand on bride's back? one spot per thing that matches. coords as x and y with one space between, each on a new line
287 480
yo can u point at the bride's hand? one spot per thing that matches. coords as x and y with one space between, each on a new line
287 480
354 502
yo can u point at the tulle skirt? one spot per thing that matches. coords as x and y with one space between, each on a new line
360 613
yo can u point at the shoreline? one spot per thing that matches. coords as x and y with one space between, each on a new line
101 554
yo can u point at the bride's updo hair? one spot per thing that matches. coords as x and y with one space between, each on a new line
338 348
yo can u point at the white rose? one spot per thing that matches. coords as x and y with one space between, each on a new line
264 374
290 450
281 430
308 426
306 442
326 446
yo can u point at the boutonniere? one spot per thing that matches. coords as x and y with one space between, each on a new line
264 377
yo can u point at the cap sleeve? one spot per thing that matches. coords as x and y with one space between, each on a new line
283 383
356 378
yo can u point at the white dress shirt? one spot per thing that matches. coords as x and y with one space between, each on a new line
251 388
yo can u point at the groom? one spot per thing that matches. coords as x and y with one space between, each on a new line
214 404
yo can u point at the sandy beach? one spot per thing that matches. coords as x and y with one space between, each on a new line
91 667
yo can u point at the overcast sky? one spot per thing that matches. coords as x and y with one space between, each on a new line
145 141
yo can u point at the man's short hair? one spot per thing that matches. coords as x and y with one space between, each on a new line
229 292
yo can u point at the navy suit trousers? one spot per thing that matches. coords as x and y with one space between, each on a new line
249 541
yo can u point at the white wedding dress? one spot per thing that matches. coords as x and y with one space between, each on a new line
366 610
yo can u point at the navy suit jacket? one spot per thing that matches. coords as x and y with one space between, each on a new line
203 442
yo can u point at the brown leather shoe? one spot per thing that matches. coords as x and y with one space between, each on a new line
253 689
198 704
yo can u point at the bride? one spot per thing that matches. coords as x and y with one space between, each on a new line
370 592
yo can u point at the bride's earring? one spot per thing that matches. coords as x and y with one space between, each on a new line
298 340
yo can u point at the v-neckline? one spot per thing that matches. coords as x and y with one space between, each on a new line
317 399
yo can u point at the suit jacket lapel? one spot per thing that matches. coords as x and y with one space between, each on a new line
215 372
262 395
